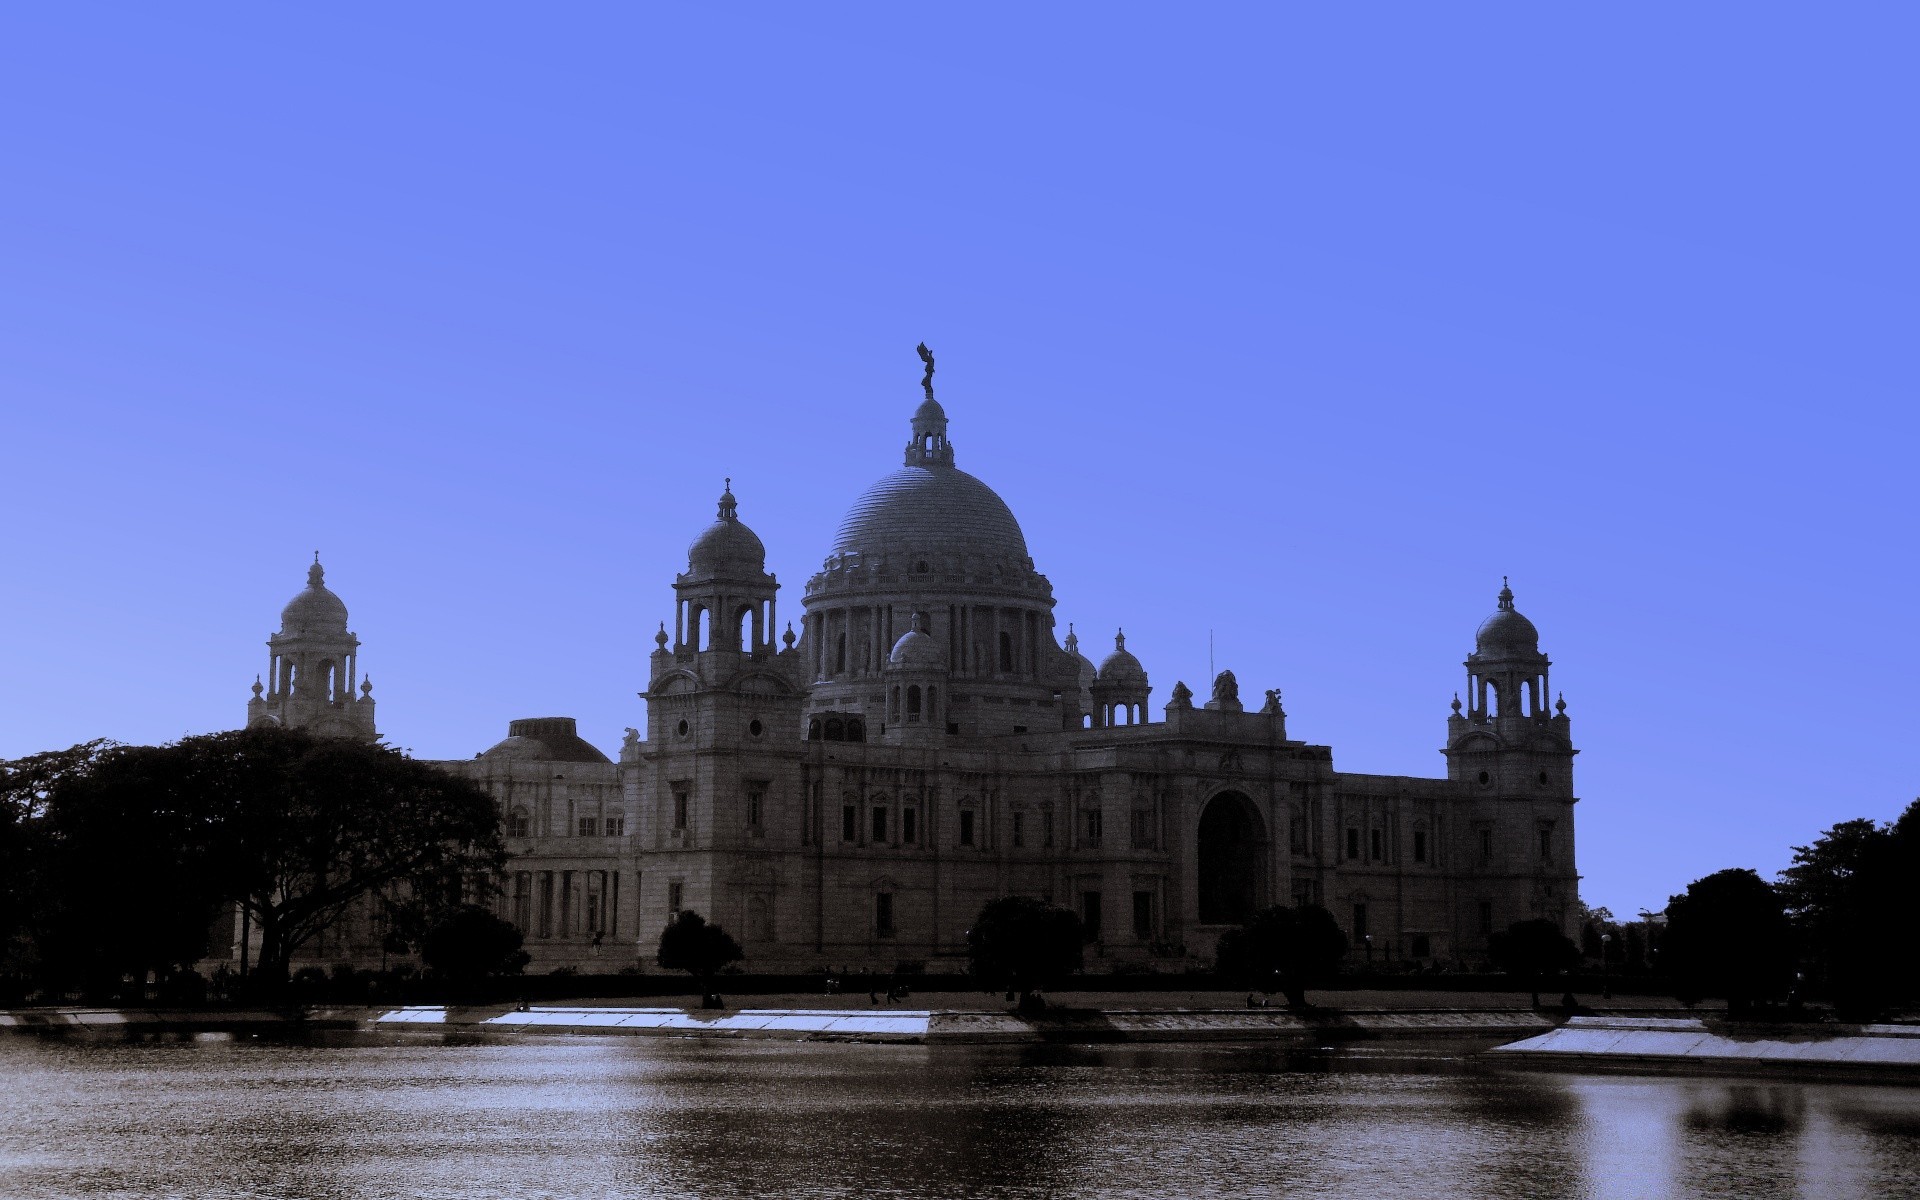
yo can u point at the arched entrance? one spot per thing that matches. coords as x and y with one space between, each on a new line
1232 860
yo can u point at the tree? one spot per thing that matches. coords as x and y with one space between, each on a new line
689 943
1534 949
1853 899
1022 944
471 943
26 891
1727 935
1288 947
1839 898
296 830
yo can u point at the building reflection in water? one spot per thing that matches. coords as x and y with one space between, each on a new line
630 1119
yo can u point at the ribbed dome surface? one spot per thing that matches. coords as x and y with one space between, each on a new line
916 649
1506 631
727 545
315 610
930 511
1122 667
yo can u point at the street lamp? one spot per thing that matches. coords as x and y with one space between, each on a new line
1606 981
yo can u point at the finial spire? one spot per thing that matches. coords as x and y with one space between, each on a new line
1506 595
729 509
316 574
926 381
1119 639
1073 640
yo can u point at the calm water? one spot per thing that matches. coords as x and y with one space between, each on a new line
634 1117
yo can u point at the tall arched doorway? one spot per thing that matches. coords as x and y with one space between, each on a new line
1232 860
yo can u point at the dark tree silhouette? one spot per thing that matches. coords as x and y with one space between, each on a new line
689 943
1284 949
297 830
29 893
1839 896
1534 949
471 943
1021 944
1727 935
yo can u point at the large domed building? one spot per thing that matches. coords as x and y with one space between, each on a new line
849 795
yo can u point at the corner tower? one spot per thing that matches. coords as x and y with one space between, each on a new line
1513 761
312 669
931 539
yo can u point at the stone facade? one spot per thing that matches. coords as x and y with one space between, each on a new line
851 795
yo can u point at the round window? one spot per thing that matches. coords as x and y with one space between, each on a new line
755 728
682 729
1543 777
1484 777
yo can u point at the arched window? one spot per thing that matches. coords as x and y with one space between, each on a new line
836 731
1493 698
698 627
745 628
856 730
913 703
1006 651
840 654
813 730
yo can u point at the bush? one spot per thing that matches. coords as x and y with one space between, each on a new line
1283 949
470 944
1023 944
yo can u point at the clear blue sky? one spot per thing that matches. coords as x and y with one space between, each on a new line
1299 328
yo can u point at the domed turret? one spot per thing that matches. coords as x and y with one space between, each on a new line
312 668
1121 668
1506 631
727 548
1506 673
725 594
315 611
916 647
1120 690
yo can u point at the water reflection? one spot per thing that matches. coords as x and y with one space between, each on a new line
431 1117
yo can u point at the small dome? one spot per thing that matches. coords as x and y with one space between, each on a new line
315 610
929 411
545 739
1506 631
1121 668
727 547
916 647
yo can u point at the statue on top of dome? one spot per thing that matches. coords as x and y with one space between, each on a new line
926 381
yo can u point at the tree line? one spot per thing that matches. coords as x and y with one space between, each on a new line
1840 924
116 861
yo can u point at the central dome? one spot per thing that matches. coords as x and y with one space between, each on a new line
931 511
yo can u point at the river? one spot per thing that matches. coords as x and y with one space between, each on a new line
356 1117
